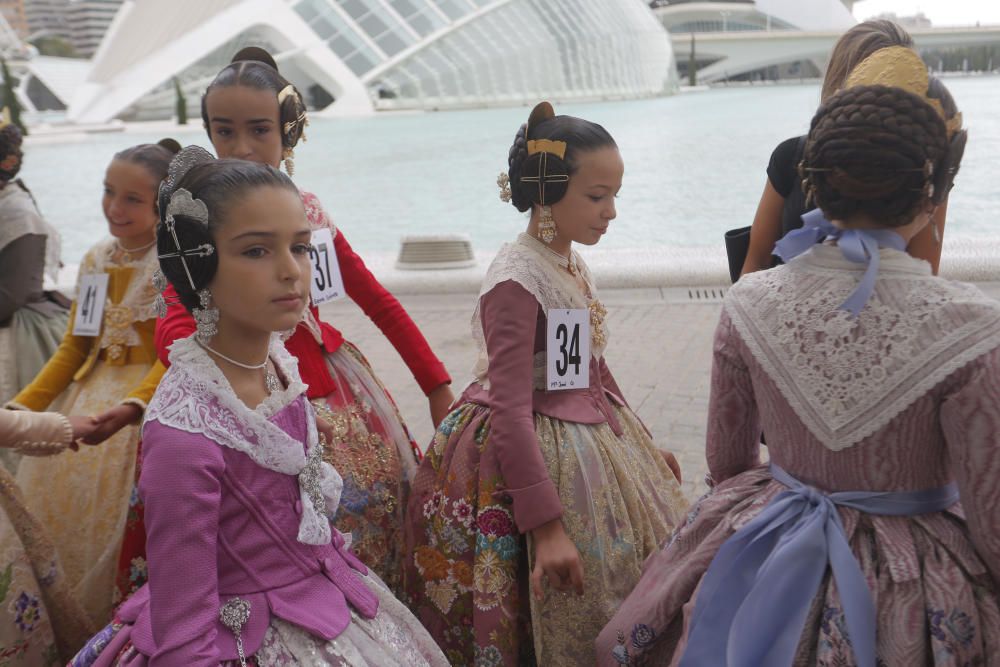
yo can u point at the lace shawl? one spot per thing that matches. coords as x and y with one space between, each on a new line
195 397
527 263
845 378
136 304
19 217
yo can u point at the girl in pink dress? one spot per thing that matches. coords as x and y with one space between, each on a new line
245 566
878 386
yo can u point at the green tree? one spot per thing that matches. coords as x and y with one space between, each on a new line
53 45
692 66
10 99
182 109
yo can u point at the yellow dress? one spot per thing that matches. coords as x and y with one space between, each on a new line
82 497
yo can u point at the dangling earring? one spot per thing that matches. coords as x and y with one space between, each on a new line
288 155
160 285
206 318
546 225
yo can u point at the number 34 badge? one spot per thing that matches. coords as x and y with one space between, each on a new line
567 349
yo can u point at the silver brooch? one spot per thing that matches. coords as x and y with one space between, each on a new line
234 615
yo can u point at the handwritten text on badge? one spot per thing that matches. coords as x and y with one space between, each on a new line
567 349
327 283
90 300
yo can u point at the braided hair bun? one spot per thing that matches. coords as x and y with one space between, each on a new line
254 67
877 151
579 135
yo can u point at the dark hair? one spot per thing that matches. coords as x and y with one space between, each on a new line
580 136
879 151
154 157
255 68
218 184
10 152
857 44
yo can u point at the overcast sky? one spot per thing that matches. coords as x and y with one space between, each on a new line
940 12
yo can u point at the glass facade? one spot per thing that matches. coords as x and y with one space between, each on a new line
453 53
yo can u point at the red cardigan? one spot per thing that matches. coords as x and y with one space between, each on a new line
376 301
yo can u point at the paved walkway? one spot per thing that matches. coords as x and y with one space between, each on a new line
660 353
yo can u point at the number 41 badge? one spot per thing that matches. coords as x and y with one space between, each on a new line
327 283
90 297
567 349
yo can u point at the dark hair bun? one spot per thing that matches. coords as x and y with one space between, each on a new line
547 185
171 145
870 150
256 54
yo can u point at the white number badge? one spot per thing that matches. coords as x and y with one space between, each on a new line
567 349
90 304
327 283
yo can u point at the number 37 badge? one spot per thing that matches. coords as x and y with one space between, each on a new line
567 349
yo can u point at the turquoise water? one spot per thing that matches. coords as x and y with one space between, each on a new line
694 167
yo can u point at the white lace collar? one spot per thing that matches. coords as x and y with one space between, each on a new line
194 396
844 378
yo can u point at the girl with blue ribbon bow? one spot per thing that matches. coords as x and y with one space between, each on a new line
878 385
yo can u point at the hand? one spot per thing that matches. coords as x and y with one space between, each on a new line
557 558
672 463
440 401
325 430
82 427
112 421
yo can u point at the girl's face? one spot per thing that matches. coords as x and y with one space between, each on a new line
262 281
585 212
244 123
129 203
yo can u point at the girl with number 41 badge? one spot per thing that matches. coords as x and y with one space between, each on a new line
104 366
542 493
253 113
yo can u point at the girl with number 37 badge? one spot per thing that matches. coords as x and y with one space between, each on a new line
252 113
535 506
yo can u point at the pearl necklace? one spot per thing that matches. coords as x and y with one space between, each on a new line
270 379
128 252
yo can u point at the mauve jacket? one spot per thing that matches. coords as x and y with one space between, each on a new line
507 312
219 525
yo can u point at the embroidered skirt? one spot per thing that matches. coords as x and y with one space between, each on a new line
82 497
377 458
41 622
394 638
467 568
935 602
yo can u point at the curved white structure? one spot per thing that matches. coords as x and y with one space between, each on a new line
739 36
368 55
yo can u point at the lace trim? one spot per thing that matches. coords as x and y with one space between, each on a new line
553 288
846 379
194 396
315 213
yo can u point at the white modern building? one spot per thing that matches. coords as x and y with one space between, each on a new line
360 56
735 37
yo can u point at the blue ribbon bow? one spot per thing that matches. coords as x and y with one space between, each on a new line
755 596
858 245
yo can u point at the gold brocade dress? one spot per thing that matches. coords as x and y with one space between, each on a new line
82 497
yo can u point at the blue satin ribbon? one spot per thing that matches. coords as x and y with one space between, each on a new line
858 245
755 596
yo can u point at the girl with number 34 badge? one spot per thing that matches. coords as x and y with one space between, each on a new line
535 506
253 113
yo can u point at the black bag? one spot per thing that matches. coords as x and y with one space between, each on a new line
737 246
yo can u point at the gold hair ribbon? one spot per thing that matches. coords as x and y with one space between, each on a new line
285 92
900 67
557 148
5 118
